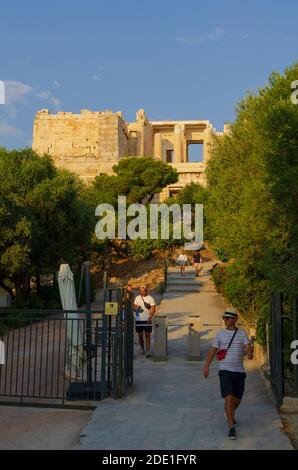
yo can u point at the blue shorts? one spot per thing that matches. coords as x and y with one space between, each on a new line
232 383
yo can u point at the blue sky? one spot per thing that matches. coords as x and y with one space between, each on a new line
177 60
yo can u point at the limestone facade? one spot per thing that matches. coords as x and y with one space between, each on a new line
90 143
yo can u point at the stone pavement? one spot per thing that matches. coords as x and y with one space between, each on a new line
26 428
172 406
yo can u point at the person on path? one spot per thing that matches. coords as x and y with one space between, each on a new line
230 345
182 261
145 308
197 259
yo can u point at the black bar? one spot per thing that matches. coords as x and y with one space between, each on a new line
47 359
12 356
41 355
295 335
59 359
53 357
23 362
88 324
29 359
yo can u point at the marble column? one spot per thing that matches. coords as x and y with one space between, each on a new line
177 144
158 146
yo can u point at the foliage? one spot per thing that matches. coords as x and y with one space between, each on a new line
137 178
42 216
252 208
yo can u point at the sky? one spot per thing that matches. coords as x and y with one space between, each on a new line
178 60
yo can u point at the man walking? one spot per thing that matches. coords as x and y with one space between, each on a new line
230 345
197 261
145 310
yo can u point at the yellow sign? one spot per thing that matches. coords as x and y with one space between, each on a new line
111 308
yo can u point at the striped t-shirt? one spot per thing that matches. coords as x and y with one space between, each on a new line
235 354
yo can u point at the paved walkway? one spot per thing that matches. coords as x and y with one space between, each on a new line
172 406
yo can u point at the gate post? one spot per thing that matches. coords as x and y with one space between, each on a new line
194 340
276 353
160 338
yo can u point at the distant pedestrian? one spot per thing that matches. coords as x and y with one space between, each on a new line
230 345
197 259
182 262
145 308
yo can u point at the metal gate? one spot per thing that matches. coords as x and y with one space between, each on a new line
283 329
54 359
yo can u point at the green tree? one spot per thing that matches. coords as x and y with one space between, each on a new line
252 206
137 178
42 215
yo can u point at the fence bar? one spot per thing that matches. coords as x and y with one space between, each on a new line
295 336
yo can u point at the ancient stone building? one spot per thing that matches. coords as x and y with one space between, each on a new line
90 143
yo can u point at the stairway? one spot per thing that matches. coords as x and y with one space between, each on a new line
189 282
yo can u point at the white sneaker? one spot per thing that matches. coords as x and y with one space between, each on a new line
235 422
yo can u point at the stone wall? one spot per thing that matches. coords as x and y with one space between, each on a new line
88 143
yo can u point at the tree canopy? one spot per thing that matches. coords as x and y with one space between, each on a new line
252 209
137 178
42 216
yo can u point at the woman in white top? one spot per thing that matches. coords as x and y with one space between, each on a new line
182 261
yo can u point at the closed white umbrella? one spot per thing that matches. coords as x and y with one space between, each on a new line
74 326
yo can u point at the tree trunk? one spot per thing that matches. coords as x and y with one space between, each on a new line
38 284
7 288
18 286
26 283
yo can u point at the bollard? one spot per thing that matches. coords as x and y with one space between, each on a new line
160 338
194 340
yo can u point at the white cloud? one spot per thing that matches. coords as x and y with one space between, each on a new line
216 34
9 131
56 84
245 36
95 77
187 40
16 91
101 67
48 96
212 36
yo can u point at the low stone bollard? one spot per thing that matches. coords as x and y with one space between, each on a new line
160 338
194 339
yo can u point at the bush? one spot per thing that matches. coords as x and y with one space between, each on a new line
218 277
222 255
141 250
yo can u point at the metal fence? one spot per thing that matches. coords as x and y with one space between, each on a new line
283 330
62 357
